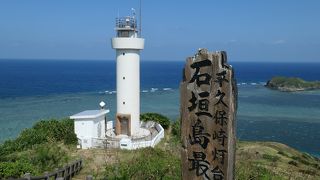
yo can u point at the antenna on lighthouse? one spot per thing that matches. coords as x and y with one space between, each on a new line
140 18
133 12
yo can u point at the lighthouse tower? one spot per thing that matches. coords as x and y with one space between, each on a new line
129 132
128 44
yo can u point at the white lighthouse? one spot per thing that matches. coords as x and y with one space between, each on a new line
129 132
128 45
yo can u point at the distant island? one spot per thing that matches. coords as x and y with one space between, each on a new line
292 84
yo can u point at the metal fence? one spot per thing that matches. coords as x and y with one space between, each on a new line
155 138
65 173
106 143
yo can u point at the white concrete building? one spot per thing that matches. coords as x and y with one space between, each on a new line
90 125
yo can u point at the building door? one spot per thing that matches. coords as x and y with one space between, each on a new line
123 124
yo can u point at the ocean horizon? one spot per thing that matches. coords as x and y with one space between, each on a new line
33 90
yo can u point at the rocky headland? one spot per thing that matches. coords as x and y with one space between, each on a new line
292 84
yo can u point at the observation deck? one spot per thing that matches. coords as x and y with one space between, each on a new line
126 27
127 34
126 23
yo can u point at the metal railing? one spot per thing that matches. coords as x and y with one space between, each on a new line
155 139
106 143
126 22
65 173
156 134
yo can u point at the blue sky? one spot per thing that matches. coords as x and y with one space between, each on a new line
249 30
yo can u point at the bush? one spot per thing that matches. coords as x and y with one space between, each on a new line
41 158
270 157
57 130
283 154
15 169
176 129
315 165
36 149
300 159
41 132
294 163
161 119
29 138
246 170
6 148
48 156
308 171
149 164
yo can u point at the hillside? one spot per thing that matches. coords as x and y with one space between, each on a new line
254 160
274 160
291 84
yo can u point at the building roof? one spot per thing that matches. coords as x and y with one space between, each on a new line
90 114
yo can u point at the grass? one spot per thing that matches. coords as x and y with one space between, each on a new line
278 160
269 157
41 148
254 160
294 163
147 163
246 171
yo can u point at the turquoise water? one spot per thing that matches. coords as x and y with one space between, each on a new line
263 114
35 90
22 112
289 118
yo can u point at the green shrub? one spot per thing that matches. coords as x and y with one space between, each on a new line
36 149
48 156
15 169
69 136
283 154
293 163
176 129
57 130
150 163
29 138
308 171
300 159
270 157
315 165
41 132
161 119
38 159
6 148
308 156
246 171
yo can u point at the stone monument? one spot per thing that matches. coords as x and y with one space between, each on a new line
208 112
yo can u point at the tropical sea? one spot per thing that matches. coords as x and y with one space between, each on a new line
31 90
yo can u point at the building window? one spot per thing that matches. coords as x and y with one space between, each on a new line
123 33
